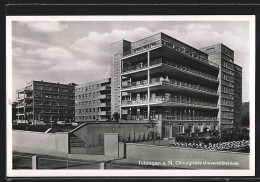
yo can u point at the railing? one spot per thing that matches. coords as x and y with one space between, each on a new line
134 84
104 104
135 67
132 102
164 43
161 80
172 117
182 67
186 117
104 88
104 112
19 112
191 101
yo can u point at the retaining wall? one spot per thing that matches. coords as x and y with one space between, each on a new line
41 143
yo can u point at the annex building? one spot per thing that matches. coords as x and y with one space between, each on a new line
93 101
45 101
181 87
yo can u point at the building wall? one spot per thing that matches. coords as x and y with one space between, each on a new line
42 143
166 154
117 50
238 97
230 88
91 98
50 101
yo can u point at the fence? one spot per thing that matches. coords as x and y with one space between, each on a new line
25 162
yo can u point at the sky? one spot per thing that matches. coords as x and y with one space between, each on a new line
78 51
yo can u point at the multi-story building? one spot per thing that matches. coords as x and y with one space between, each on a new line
230 85
46 101
93 101
161 78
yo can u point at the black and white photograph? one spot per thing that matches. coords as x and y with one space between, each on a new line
130 95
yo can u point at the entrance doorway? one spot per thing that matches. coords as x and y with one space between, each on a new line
168 131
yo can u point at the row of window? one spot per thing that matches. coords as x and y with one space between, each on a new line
78 111
210 50
88 95
54 104
90 87
82 118
191 127
54 111
54 96
89 103
54 89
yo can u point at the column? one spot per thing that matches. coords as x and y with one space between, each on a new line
148 82
24 104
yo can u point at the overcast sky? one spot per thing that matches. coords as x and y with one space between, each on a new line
78 52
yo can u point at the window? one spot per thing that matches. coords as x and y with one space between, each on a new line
83 95
86 95
86 110
90 94
82 89
191 128
93 94
200 127
210 50
94 110
94 86
86 88
180 128
90 87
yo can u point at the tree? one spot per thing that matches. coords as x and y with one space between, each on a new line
152 126
116 116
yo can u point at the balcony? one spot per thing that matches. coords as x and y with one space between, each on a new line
104 113
172 117
164 43
104 105
134 84
134 102
20 113
25 90
182 68
180 84
178 100
139 66
104 96
104 88
187 118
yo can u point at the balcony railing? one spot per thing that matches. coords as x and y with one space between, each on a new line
132 102
104 96
134 84
186 117
182 84
183 68
104 112
191 101
164 43
172 117
104 104
26 105
135 67
104 88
